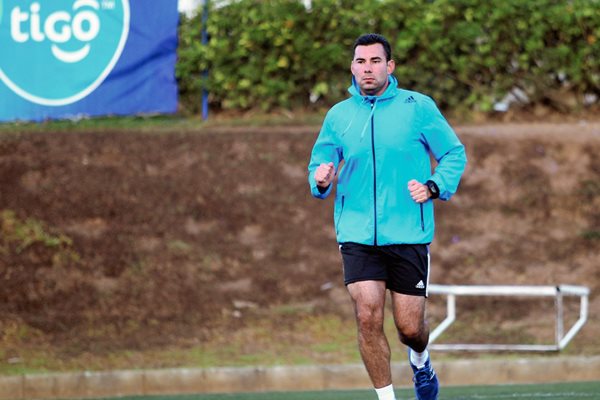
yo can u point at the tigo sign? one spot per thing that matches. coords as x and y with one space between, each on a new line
57 52
71 59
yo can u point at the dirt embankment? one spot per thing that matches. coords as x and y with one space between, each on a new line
133 240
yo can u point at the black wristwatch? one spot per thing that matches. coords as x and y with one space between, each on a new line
433 189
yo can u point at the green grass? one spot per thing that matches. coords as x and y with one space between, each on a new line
555 391
102 123
308 340
305 340
165 123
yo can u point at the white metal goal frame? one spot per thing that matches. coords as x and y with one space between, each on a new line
558 292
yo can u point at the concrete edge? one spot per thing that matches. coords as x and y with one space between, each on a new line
288 378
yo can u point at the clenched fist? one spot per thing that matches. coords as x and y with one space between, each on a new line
419 192
324 174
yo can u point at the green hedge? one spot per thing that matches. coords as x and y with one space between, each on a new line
467 54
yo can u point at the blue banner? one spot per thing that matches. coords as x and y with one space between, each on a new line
74 58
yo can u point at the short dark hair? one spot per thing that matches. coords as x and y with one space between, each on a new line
373 38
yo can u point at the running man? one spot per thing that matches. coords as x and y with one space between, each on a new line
378 143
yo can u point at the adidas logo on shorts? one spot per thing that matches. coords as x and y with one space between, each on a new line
420 285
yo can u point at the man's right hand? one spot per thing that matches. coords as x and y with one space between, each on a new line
324 174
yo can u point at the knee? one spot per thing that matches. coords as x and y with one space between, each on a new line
369 317
413 336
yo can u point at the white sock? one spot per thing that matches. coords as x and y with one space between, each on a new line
418 359
386 393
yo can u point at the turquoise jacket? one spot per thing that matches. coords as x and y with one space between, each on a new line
378 144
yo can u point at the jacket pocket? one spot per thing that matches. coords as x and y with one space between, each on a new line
339 217
422 217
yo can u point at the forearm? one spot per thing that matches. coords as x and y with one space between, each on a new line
448 172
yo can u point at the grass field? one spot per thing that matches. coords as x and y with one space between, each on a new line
167 123
555 391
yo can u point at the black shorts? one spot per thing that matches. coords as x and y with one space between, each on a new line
403 267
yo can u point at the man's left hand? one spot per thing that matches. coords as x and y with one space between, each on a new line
418 191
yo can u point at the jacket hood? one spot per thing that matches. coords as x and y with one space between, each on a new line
390 91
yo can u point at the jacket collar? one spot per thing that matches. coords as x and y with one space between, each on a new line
389 92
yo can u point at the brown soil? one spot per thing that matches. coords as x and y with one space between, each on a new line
148 240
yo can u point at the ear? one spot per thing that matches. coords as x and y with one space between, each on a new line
352 68
391 65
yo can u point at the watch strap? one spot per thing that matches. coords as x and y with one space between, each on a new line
433 189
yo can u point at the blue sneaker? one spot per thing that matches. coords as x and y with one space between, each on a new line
426 382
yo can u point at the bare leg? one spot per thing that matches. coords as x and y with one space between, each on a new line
409 317
369 301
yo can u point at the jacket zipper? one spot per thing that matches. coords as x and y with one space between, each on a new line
422 218
374 175
337 224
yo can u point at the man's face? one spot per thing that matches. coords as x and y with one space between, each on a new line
370 69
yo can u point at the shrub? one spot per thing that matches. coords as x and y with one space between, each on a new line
467 54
